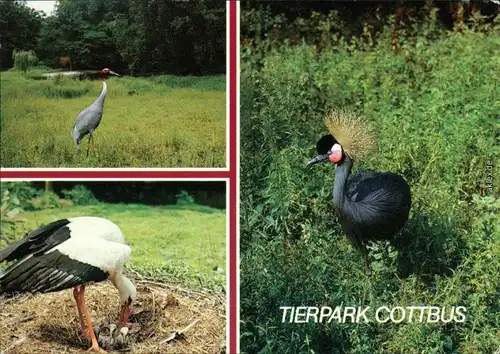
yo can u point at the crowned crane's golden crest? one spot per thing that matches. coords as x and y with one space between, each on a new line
352 132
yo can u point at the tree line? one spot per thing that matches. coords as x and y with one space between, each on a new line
134 36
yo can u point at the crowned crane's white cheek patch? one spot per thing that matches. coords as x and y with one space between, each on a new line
336 153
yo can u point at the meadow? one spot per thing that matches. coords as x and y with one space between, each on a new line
161 121
433 104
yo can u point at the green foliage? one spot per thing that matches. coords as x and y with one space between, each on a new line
184 198
80 195
47 200
161 121
139 36
16 197
21 192
20 26
433 103
24 60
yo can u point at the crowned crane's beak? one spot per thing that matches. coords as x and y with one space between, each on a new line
317 159
113 73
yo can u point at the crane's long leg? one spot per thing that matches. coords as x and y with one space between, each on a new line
80 301
88 146
368 269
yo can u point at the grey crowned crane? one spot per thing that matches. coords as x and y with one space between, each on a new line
371 206
70 253
89 119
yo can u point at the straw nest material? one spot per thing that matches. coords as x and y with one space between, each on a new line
352 132
168 319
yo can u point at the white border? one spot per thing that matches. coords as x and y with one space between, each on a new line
228 229
237 181
122 179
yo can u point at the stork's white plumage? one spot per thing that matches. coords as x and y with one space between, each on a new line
70 253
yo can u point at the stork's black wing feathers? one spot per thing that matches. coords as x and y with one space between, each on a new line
38 240
49 272
39 268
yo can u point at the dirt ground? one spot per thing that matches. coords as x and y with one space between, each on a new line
172 320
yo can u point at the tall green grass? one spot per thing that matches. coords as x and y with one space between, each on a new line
162 121
434 105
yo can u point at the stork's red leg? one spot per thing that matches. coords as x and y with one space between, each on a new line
83 326
88 319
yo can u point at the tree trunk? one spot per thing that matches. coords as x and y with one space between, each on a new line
49 186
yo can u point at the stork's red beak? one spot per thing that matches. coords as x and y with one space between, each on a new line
113 73
125 313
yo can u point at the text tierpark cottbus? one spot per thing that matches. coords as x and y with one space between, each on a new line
383 314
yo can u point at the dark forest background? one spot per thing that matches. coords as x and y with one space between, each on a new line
133 36
208 193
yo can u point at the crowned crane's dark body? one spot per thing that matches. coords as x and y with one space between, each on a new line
371 206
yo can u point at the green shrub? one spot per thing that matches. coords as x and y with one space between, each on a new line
183 198
80 195
48 200
24 60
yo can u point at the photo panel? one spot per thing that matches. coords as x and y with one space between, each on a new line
119 167
369 204
136 266
121 84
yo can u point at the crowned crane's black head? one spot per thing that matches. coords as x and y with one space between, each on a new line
350 137
328 148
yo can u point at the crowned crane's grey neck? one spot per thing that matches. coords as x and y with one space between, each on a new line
342 173
102 96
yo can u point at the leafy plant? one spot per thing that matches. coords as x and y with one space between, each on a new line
80 195
48 200
183 198
24 60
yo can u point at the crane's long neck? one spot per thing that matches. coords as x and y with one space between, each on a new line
102 96
342 173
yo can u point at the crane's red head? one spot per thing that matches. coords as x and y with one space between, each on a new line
328 149
106 72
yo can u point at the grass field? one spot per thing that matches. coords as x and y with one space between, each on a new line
162 121
175 244
434 107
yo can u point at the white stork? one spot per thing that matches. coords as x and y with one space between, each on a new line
89 119
70 253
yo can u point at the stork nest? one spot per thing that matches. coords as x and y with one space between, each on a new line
167 319
352 132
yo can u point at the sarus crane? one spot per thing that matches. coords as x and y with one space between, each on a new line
70 253
89 119
371 206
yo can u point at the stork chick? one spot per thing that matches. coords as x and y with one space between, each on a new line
70 253
371 206
89 119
